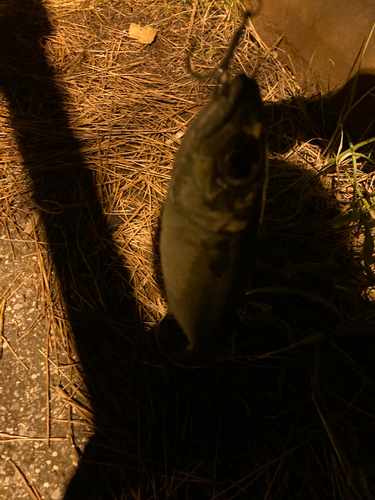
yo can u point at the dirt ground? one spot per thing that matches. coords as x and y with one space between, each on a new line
91 120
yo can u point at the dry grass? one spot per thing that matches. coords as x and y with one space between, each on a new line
291 415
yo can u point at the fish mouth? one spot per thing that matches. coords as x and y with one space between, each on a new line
240 98
241 88
235 109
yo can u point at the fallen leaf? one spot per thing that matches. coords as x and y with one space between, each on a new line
142 35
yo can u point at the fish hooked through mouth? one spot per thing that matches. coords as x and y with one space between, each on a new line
212 212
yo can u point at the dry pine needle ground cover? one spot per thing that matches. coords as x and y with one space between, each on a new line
90 123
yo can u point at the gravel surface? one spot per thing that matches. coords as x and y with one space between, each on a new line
25 418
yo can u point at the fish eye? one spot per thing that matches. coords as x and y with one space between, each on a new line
237 166
241 164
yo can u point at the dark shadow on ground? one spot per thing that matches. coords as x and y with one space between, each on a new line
354 104
80 240
232 429
352 107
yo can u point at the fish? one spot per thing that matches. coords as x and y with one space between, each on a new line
212 213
